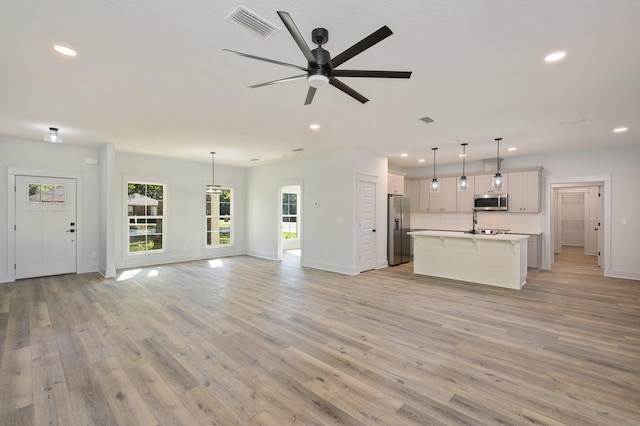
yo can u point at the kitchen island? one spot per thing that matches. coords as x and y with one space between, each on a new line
497 260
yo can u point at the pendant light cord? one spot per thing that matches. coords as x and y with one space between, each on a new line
213 170
434 162
498 156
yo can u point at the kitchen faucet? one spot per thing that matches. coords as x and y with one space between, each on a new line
475 221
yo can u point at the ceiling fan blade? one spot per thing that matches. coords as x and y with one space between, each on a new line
246 55
364 73
297 37
282 80
310 93
348 90
361 46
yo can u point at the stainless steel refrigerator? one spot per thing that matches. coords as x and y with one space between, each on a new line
399 243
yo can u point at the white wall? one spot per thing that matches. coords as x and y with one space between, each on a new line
329 206
24 154
621 164
184 225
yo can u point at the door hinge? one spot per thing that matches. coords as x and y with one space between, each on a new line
15 228
14 267
598 253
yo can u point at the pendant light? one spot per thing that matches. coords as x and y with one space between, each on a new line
463 183
498 181
213 188
54 135
435 185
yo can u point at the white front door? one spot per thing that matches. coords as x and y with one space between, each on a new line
366 225
45 226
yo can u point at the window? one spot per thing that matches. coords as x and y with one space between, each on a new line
145 211
289 216
218 211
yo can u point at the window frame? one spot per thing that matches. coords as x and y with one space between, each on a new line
127 217
231 220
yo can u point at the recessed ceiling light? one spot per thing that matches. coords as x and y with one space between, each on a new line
64 50
555 56
404 154
421 160
462 155
620 129
314 126
513 148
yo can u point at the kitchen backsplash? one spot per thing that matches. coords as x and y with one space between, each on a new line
515 222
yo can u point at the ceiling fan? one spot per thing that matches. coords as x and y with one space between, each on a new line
321 68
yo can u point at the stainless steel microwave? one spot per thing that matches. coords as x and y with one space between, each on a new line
491 202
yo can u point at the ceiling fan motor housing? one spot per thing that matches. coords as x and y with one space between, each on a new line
320 36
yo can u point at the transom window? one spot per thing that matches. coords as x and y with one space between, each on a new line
218 214
145 211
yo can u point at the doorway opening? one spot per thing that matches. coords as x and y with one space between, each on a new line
578 212
290 222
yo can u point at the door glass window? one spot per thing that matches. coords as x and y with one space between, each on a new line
46 193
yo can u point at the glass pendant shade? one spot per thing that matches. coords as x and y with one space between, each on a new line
497 182
435 185
463 182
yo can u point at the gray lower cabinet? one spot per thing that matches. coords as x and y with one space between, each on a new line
534 251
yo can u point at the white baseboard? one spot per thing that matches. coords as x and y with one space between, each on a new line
6 279
629 275
330 267
262 255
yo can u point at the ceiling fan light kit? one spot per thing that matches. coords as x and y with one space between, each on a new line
318 80
320 69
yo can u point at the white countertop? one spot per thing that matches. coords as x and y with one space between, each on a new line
455 234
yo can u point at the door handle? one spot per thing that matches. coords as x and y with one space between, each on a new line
373 230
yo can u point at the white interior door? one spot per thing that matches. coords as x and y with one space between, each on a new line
366 225
45 232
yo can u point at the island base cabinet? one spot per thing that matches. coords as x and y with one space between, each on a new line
492 262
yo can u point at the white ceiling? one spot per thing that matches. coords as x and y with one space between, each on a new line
151 77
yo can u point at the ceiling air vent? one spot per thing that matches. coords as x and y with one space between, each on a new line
252 22
297 149
427 119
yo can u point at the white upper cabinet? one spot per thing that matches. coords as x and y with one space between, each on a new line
465 198
395 184
444 200
483 184
412 191
524 192
423 188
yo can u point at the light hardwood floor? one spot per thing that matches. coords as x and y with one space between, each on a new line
245 341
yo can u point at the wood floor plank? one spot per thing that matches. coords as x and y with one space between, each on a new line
260 342
128 407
